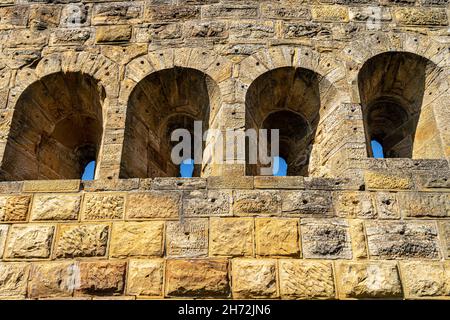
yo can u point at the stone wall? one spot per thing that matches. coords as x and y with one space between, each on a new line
106 80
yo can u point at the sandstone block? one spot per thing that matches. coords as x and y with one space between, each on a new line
368 280
306 203
55 207
325 239
400 240
421 16
328 13
29 242
102 278
229 182
103 206
277 237
114 13
51 186
254 278
86 240
387 180
387 205
354 205
13 279
426 279
358 236
274 182
145 277
14 208
256 202
445 236
187 238
155 204
200 203
137 239
301 279
231 236
211 278
424 204
230 11
119 33
53 279
170 13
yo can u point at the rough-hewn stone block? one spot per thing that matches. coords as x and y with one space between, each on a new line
3 233
254 278
55 207
105 34
211 278
51 186
187 238
387 180
277 237
29 242
14 208
421 16
145 277
325 239
103 206
424 204
327 13
201 203
233 182
231 236
102 278
155 204
137 239
256 202
300 279
274 182
400 240
53 279
85 240
13 279
306 203
368 280
354 205
426 279
387 205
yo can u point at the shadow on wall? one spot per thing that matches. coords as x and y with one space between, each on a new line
56 130
392 87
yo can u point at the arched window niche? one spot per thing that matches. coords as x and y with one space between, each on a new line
287 99
394 89
56 129
162 102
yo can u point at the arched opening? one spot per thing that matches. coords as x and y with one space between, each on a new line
89 171
287 99
392 87
377 149
56 128
162 102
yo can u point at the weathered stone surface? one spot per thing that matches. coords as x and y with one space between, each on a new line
424 204
300 279
256 202
254 278
137 239
354 205
102 278
387 180
211 278
187 238
421 16
274 182
277 237
368 280
330 13
306 203
231 236
3 233
55 207
13 279
87 240
387 205
325 239
170 13
445 236
51 186
400 240
155 204
218 182
103 206
359 241
14 208
53 279
230 11
206 203
106 34
29 241
114 13
145 277
425 279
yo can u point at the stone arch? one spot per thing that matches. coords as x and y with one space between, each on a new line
69 77
292 100
161 102
399 94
